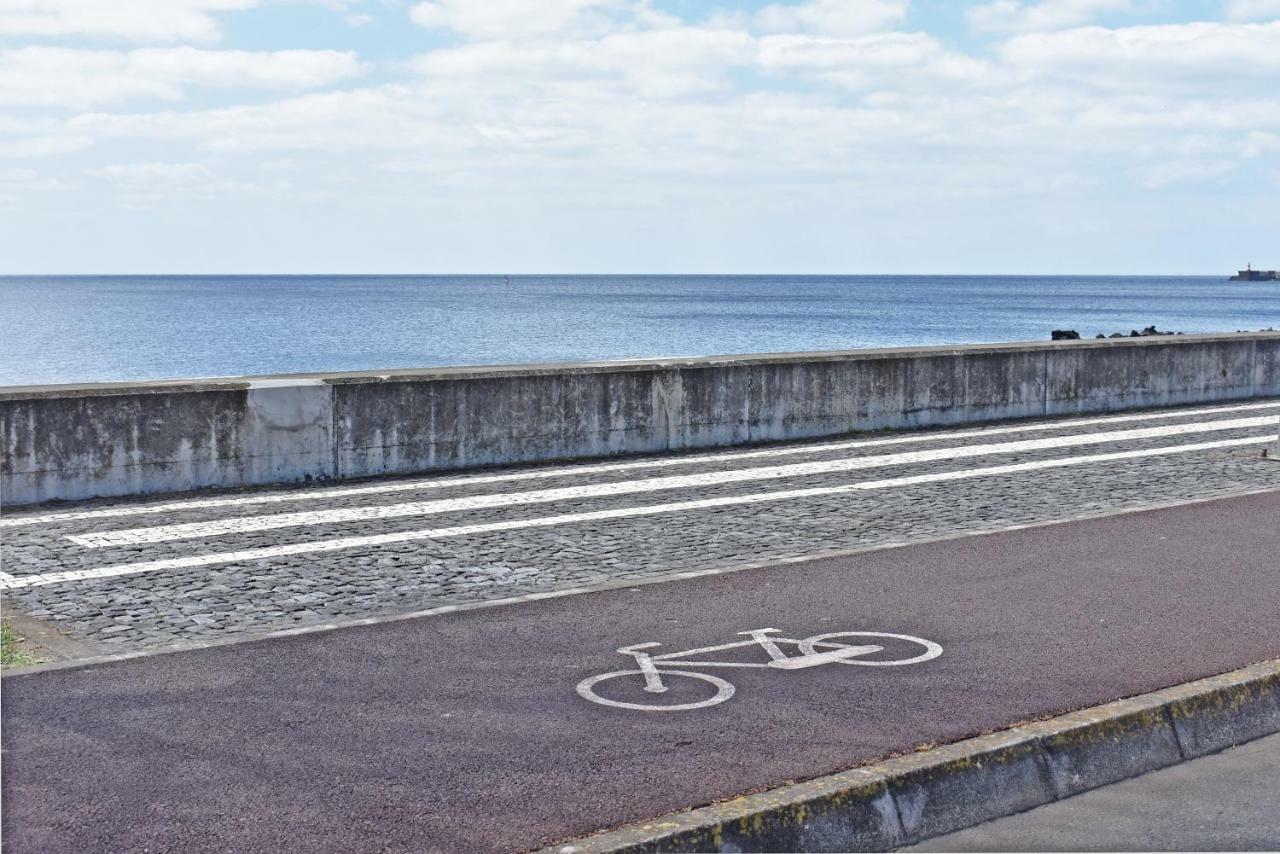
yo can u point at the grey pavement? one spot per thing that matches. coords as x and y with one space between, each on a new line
1229 801
468 731
577 537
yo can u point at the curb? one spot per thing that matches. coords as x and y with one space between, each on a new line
910 798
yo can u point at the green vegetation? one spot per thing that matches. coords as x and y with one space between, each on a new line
12 653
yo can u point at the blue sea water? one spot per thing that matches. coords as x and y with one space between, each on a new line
86 328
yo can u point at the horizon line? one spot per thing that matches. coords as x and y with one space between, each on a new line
603 274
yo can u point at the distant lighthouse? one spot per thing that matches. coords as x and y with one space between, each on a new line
1248 274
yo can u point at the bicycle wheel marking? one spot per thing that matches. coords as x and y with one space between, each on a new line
724 690
649 679
931 649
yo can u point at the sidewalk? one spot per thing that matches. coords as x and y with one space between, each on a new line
1229 801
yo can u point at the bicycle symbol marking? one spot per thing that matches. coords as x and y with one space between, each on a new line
814 651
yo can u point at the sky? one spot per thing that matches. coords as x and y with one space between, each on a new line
639 136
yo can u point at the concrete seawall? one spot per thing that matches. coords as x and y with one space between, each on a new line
103 439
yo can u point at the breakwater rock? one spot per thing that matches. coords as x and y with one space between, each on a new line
1073 335
1133 333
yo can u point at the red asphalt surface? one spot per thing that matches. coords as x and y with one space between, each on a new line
465 732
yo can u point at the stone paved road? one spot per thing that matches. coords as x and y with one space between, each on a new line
128 575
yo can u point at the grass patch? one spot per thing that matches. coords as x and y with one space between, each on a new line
12 653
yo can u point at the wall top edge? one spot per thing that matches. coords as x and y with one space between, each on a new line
204 384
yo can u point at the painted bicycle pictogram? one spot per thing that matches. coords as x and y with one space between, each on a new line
654 671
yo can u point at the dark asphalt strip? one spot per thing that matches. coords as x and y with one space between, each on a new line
464 731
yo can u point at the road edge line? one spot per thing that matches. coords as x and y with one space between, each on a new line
907 799
662 577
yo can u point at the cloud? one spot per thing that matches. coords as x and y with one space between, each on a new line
1157 176
140 21
28 179
369 119
1252 10
17 185
1018 16
1166 57
651 63
151 183
607 102
831 17
149 174
1260 144
894 60
524 19
56 77
133 20
44 146
711 100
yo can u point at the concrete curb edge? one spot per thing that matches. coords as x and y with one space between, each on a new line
910 798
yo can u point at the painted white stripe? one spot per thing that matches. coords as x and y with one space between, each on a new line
342 515
302 494
374 540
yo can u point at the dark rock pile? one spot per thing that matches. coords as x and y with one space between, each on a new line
1133 333
1072 335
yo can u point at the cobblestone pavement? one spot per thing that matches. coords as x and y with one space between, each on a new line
126 575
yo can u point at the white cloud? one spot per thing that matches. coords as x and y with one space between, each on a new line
831 17
141 21
368 119
150 183
133 20
639 100
1012 16
1253 10
1260 144
1157 176
28 179
68 77
150 174
523 19
19 184
653 63
609 102
1166 57
44 146
894 60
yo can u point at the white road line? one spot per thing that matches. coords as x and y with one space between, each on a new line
320 546
343 515
302 494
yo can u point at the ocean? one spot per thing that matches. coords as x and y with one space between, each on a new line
95 328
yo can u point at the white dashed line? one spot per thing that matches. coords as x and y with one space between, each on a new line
344 515
586 469
344 543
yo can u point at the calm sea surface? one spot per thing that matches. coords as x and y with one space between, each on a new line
72 329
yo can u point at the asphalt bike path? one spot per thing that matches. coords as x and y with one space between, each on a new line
499 728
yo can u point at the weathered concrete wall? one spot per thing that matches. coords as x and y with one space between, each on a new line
70 442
